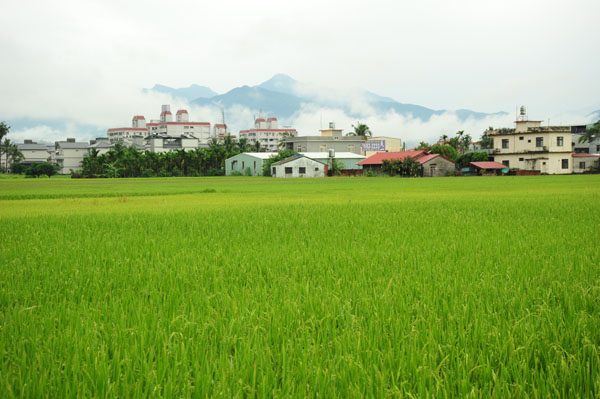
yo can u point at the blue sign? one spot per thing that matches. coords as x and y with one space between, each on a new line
373 145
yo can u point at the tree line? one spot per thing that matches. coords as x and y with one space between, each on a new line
122 161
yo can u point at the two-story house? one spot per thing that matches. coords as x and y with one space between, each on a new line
529 146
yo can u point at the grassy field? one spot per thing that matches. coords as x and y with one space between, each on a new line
330 288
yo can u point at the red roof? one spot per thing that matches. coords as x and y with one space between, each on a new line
426 158
488 165
578 155
271 119
182 111
166 113
220 125
259 120
377 159
138 117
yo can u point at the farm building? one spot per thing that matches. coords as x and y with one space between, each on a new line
486 168
585 163
433 165
247 163
299 166
348 161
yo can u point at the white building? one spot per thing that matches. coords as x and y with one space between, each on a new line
69 154
34 152
298 166
159 143
165 126
267 133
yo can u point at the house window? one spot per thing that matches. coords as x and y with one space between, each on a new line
581 165
559 141
521 159
317 169
323 148
432 170
529 141
273 171
598 148
565 164
288 171
350 147
504 143
302 170
521 138
506 163
539 141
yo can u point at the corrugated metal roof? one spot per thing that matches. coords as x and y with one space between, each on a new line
260 155
293 158
488 165
338 155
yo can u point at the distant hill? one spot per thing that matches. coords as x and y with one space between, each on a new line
189 93
282 96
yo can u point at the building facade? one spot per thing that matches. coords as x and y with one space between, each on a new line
377 144
165 126
531 147
585 163
247 163
35 153
298 166
69 154
267 133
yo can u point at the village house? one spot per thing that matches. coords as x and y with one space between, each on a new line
433 165
247 163
299 166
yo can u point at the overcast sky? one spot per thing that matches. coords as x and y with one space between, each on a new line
86 61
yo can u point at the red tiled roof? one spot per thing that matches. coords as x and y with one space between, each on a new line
166 113
259 120
578 155
136 117
271 119
182 111
220 125
428 157
488 165
377 159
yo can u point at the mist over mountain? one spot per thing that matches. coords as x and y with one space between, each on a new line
284 97
188 93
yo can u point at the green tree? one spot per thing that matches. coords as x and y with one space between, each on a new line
281 155
591 133
423 146
446 150
486 141
361 130
4 130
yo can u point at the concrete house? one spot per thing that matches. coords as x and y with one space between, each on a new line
433 165
585 163
156 143
533 147
299 166
347 160
330 139
247 161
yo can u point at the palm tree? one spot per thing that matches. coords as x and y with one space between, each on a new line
6 146
361 130
591 133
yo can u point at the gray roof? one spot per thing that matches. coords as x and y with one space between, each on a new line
70 145
32 147
101 144
293 158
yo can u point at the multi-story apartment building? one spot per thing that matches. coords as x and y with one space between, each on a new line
531 146
165 126
267 133
69 154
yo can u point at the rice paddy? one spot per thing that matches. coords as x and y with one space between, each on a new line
330 288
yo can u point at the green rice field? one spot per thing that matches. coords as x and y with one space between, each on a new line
308 288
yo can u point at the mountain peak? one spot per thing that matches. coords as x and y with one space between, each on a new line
281 83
